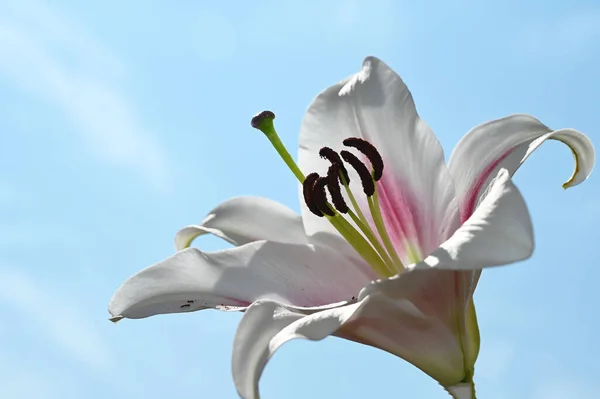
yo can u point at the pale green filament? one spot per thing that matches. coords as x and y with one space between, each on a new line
361 245
360 220
376 212
389 265
413 254
347 231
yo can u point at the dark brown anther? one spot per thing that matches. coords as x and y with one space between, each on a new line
320 196
333 157
333 184
362 170
370 152
260 117
308 190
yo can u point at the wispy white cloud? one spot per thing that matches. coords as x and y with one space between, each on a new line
52 56
62 319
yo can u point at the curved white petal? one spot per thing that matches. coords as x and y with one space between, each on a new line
266 325
295 274
499 232
416 192
393 325
442 299
441 286
507 143
246 219
396 325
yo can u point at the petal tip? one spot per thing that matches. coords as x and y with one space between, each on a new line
370 60
185 236
116 319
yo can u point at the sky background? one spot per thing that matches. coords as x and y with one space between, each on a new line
123 121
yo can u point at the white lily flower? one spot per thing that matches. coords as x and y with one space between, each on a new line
391 260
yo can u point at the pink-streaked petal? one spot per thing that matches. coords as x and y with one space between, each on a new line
441 286
507 143
267 325
243 220
499 232
416 192
294 274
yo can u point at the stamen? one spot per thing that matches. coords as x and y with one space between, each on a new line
370 152
363 172
320 196
333 157
333 184
375 209
308 191
314 192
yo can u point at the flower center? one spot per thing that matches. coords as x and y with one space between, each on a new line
376 249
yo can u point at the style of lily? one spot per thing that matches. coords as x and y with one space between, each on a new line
389 245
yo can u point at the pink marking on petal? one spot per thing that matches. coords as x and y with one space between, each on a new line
404 217
397 212
470 203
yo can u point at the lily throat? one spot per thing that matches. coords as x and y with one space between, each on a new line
369 237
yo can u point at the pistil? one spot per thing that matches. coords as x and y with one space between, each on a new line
263 121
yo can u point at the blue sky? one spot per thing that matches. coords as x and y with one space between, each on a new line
123 121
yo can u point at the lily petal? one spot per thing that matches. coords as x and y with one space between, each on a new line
441 286
266 325
246 219
396 325
499 232
190 280
449 349
393 325
416 192
507 143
